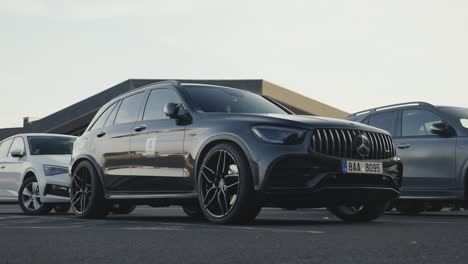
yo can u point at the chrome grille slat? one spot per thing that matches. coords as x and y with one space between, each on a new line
339 143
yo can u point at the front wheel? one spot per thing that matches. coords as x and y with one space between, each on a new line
87 197
225 186
364 212
29 198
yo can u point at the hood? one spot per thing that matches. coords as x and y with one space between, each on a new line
57 160
302 121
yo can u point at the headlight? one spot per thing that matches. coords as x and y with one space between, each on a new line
50 170
279 135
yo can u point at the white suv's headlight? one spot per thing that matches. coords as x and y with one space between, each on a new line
279 135
50 170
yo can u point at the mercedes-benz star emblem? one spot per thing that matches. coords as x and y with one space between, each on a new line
362 145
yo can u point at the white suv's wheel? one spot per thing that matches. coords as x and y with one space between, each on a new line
29 198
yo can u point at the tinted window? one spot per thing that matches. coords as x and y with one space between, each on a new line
129 109
418 122
111 118
103 118
4 147
50 145
458 114
18 143
229 100
385 121
157 99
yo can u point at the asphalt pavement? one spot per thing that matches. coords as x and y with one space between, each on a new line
166 235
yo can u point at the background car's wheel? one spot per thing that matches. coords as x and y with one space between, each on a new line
194 211
410 208
225 186
62 209
86 192
122 208
29 198
365 212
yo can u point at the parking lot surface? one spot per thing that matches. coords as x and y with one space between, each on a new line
166 235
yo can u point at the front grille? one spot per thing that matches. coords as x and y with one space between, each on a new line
339 143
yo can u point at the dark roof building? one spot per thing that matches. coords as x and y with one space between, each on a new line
74 119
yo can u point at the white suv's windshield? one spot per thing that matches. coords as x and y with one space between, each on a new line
216 99
51 145
458 113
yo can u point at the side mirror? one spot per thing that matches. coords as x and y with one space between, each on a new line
171 110
17 153
441 129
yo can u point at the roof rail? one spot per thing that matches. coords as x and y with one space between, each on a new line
390 106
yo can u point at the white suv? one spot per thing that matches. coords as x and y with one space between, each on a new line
34 172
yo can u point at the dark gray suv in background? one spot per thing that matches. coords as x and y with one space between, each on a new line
224 153
432 142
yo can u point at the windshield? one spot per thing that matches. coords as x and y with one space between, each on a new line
457 113
217 99
51 145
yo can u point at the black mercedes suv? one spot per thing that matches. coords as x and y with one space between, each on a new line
224 153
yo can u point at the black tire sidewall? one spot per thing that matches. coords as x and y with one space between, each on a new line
97 206
245 203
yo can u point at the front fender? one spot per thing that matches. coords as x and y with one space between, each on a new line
237 140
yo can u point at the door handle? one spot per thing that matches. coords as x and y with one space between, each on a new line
140 128
2 166
101 134
404 146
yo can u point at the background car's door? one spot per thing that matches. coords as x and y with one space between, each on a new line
5 196
428 159
157 148
14 167
112 141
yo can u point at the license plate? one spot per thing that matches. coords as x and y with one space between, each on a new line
362 167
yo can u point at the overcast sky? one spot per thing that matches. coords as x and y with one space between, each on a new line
349 54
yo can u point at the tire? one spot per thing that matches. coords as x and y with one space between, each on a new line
29 198
62 209
361 213
225 186
86 192
122 209
410 208
193 211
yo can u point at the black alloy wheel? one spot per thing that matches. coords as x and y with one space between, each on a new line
87 198
225 186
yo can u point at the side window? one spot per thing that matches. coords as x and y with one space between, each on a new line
385 121
418 122
129 109
111 118
103 118
158 98
5 147
18 143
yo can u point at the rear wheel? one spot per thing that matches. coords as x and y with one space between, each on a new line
225 186
363 212
87 196
30 200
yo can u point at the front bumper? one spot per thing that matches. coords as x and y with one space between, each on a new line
55 189
315 180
